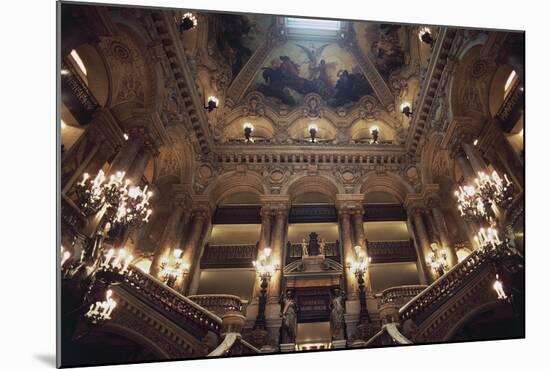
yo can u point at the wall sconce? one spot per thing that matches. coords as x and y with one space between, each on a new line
172 269
313 129
247 129
212 103
188 21
406 109
374 133
100 311
425 35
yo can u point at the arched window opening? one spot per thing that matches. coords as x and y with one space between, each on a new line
76 60
512 78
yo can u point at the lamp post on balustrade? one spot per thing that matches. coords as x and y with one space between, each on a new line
265 269
359 267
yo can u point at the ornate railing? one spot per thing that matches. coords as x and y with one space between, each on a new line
428 301
384 212
76 95
511 107
391 251
400 295
312 213
220 304
166 301
237 214
229 256
234 345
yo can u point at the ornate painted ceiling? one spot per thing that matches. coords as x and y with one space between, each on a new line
282 73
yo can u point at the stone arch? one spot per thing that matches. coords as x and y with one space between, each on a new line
299 128
488 306
235 182
302 183
387 182
136 337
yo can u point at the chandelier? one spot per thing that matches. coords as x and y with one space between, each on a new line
475 202
124 204
100 311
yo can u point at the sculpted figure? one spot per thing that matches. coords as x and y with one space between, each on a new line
290 317
337 324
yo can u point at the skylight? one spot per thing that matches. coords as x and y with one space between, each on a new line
313 24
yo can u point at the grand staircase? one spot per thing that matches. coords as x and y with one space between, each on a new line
439 312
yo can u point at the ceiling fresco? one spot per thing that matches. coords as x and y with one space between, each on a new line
386 44
237 36
298 68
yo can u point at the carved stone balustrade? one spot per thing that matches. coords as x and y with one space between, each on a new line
220 304
196 319
391 299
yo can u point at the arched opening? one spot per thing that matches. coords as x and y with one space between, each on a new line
490 322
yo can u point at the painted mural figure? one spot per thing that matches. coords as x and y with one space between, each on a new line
290 318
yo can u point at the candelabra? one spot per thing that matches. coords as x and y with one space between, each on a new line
172 269
188 21
100 311
359 267
438 260
117 261
65 255
488 238
476 201
265 269
499 289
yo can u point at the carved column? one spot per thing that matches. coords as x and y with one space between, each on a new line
423 250
265 239
127 153
168 239
359 232
277 254
348 252
193 244
465 166
476 162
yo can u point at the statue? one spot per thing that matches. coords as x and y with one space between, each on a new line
322 247
290 318
337 325
305 251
